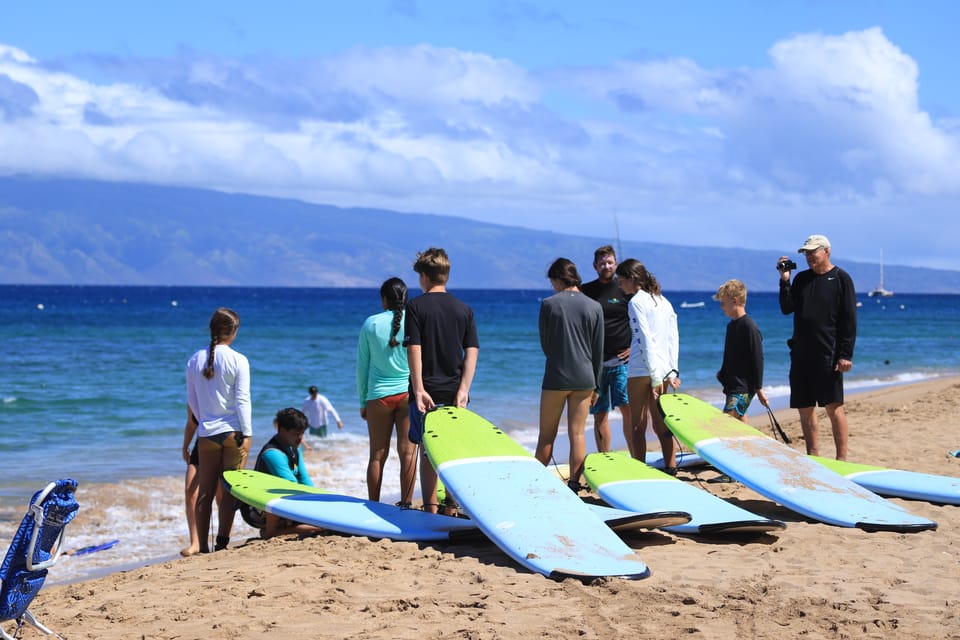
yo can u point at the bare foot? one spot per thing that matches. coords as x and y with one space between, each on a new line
186 552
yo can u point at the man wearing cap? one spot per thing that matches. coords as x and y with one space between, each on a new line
823 302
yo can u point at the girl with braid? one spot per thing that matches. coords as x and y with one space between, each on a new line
382 381
218 394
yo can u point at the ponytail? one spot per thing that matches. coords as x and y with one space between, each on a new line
223 325
394 294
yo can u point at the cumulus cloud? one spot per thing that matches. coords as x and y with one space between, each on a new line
831 120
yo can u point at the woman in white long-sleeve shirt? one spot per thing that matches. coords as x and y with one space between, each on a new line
218 394
654 358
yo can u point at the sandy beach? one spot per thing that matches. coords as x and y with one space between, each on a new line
811 580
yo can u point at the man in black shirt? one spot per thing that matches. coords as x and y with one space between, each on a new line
616 348
823 302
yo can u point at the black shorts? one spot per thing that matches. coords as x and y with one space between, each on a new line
814 384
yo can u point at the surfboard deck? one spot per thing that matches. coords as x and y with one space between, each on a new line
780 473
340 513
520 505
627 483
898 483
620 520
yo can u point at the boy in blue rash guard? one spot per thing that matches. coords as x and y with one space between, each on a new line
282 456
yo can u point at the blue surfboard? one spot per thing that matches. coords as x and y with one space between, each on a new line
344 514
780 473
898 483
630 484
519 504
685 460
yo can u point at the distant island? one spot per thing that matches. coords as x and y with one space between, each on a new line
89 232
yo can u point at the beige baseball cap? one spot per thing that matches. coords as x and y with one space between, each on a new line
814 242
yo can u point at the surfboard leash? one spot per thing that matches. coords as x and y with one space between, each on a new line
775 427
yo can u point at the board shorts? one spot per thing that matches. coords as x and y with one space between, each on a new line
416 423
813 385
320 432
393 402
417 419
738 402
613 389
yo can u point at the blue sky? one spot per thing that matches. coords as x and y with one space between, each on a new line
744 124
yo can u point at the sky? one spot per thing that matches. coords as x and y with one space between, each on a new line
708 123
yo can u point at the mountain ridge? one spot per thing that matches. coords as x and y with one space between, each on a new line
64 231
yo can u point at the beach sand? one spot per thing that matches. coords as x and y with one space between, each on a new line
811 580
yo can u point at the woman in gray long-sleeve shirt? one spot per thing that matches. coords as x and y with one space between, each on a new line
571 336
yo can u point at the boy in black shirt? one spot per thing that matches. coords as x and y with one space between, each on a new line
442 350
741 372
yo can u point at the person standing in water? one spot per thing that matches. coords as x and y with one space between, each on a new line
319 410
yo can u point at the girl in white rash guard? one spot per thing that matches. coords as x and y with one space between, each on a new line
654 358
218 394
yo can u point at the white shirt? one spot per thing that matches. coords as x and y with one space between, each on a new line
317 410
655 344
220 404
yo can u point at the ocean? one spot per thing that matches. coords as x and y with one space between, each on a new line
92 386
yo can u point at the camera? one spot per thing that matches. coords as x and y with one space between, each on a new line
786 265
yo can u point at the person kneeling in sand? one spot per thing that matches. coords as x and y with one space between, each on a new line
282 456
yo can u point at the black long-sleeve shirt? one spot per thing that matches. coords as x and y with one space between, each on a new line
824 309
742 368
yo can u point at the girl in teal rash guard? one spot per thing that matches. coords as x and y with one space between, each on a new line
383 378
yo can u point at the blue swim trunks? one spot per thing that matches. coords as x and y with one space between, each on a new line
416 423
613 389
738 402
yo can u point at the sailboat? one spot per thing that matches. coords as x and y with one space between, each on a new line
879 291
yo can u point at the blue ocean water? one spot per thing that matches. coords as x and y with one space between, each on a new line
92 382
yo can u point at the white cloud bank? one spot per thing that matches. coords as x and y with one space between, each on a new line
828 138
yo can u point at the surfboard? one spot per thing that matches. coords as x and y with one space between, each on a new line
685 459
630 484
340 513
620 520
897 483
519 504
780 473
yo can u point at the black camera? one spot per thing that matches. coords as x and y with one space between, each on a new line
786 265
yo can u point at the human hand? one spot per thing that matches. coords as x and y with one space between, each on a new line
843 365
363 413
762 397
424 401
785 273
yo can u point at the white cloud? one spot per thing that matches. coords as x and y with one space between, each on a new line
832 127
